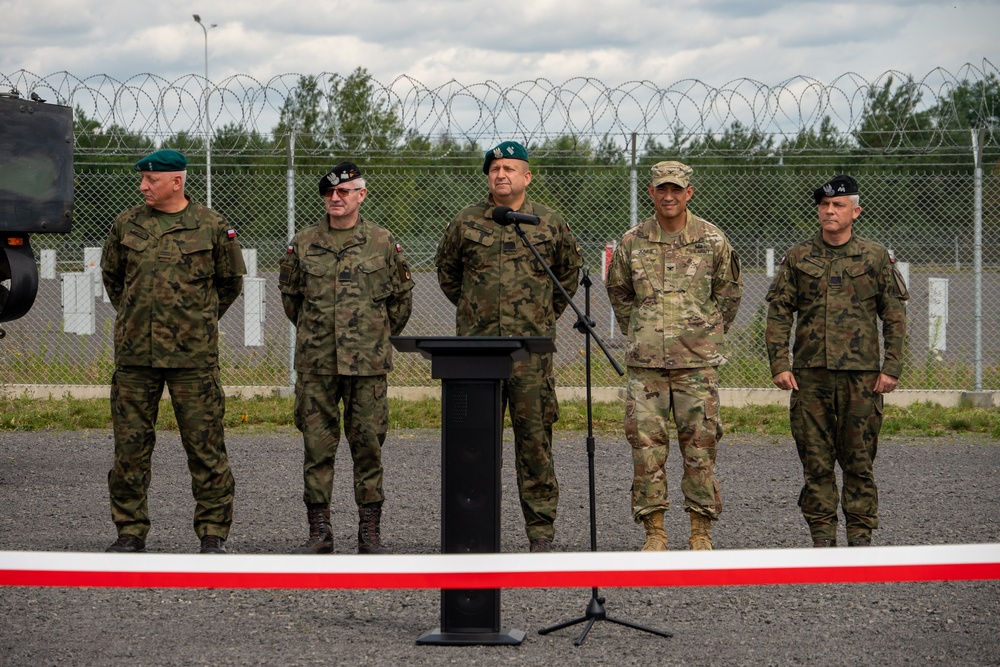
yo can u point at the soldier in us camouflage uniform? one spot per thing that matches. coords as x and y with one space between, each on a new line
500 289
675 286
346 286
171 269
840 285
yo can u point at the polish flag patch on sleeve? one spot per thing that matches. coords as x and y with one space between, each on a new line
399 248
231 233
291 250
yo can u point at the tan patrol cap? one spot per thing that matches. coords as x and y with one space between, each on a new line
671 172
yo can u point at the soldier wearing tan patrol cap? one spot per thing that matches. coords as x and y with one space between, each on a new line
675 285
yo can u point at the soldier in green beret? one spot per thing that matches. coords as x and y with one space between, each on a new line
346 286
675 286
499 289
840 286
171 269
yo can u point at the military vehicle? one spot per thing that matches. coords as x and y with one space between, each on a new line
36 191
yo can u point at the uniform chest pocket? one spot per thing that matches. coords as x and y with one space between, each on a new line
862 280
314 275
478 250
377 277
135 242
541 238
196 256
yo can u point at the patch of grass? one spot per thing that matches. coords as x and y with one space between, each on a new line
253 415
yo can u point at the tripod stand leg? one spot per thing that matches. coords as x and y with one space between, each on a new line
560 626
636 626
583 635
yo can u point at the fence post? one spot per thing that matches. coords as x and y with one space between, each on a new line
291 233
977 250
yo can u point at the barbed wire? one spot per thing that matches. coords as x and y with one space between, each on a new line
688 112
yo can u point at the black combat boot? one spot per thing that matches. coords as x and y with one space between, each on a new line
320 533
369 524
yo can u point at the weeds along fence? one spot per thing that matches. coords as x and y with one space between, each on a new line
925 152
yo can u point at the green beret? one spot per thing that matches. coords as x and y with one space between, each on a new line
508 149
164 160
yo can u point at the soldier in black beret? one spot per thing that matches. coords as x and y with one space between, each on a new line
842 292
346 287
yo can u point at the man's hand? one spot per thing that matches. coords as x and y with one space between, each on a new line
785 380
885 383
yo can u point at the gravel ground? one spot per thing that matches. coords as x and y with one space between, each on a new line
939 490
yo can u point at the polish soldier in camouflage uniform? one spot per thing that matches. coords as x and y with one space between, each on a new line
840 285
500 289
172 268
675 286
346 287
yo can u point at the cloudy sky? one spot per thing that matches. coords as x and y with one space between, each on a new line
470 41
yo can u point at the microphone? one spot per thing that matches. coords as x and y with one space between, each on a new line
505 215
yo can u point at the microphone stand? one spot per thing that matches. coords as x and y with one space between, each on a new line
595 609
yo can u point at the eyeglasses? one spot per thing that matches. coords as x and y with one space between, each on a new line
341 192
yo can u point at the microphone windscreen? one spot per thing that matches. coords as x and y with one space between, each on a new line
500 214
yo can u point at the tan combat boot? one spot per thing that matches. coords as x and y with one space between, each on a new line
701 532
320 532
656 537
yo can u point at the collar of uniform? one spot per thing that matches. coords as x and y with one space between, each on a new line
693 230
360 229
188 219
526 207
821 249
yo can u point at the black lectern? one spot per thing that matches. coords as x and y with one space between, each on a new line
470 369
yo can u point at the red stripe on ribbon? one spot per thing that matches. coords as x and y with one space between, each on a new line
575 579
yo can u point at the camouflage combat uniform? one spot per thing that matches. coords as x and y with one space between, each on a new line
169 288
346 291
500 289
674 296
839 294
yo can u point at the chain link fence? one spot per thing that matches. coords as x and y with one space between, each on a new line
915 201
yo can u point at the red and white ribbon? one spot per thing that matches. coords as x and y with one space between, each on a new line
522 570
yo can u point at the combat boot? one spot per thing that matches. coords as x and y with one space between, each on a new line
656 537
369 525
320 533
701 532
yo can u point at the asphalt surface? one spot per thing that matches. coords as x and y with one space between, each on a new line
933 491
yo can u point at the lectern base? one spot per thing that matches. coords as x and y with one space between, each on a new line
506 637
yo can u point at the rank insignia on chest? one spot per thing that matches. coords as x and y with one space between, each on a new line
231 233
345 275
508 246
836 281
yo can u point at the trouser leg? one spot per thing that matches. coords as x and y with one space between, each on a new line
531 394
647 429
814 426
135 401
366 421
857 443
200 407
317 416
695 399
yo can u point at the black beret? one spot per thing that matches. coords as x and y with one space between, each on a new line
163 160
836 187
342 173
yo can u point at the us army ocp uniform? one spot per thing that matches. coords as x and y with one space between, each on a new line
674 296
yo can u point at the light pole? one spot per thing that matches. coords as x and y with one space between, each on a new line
208 126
